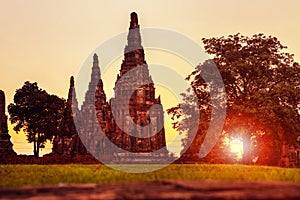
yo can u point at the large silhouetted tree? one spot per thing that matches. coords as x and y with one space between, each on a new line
262 85
38 113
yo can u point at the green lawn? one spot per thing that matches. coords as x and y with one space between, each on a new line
19 175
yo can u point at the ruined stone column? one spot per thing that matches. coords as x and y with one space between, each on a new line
6 149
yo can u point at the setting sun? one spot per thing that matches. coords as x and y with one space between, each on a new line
236 146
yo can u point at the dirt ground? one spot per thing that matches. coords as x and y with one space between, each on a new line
159 190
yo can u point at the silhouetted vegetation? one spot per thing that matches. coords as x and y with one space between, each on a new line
37 113
262 85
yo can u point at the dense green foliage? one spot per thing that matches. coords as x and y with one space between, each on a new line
37 113
20 175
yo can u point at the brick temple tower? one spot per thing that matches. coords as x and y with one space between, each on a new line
6 149
134 95
68 142
89 129
133 119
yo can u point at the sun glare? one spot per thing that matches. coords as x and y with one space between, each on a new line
236 146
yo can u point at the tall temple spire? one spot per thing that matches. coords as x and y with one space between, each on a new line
3 117
95 58
71 89
72 100
134 22
89 128
134 36
95 77
68 142
6 149
95 70
132 102
133 52
72 82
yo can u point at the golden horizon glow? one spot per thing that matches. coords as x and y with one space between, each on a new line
47 41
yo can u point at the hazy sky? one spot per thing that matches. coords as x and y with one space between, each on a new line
47 41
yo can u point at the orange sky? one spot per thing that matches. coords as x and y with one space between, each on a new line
47 41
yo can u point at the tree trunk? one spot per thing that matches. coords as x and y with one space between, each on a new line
246 149
35 147
38 146
62 145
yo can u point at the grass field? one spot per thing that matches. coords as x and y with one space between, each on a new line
20 175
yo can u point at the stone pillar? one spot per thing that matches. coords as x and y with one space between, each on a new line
6 149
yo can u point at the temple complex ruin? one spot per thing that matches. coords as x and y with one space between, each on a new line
134 108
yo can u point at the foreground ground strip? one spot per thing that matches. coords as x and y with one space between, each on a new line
159 189
38 175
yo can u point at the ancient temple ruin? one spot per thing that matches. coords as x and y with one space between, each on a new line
6 147
132 120
89 128
131 105
68 141
83 121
